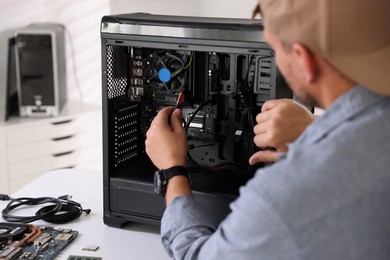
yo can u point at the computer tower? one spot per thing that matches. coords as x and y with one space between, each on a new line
8 92
41 69
225 71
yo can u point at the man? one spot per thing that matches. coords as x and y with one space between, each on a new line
329 196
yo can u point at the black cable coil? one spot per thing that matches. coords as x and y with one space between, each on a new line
62 210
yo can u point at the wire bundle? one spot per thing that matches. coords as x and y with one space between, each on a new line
61 210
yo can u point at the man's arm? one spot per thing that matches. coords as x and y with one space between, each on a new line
251 231
166 145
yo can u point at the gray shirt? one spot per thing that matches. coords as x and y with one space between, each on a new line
329 198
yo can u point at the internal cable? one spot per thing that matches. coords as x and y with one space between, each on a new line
177 72
189 63
194 114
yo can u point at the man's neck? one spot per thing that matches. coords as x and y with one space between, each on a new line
329 97
331 86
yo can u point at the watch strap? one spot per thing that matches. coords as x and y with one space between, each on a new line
162 177
175 171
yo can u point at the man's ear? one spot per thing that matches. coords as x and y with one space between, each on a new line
306 62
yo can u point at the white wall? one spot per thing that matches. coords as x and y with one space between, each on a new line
210 8
82 19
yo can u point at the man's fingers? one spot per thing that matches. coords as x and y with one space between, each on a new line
272 103
269 104
161 119
262 128
176 121
264 156
263 117
164 114
264 140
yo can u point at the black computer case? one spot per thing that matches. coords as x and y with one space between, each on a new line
225 71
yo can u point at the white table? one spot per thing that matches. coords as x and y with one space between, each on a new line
135 241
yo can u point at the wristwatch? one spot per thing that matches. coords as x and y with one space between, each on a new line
161 178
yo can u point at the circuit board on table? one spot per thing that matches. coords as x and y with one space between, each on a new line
24 241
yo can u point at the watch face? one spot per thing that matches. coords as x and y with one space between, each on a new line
157 182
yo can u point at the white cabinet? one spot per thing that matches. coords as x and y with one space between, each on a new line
30 147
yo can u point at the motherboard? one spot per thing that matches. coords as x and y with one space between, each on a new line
24 241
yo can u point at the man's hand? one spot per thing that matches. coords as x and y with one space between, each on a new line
166 140
281 122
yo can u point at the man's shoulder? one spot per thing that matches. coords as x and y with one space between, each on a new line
332 192
335 168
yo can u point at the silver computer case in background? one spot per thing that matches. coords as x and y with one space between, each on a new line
41 69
